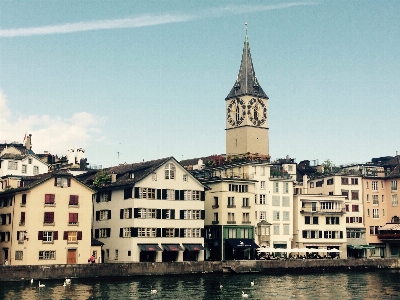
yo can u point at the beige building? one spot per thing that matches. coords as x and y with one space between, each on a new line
148 212
46 221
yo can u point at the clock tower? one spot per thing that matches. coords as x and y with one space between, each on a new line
246 111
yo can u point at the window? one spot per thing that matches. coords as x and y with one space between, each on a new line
262 185
354 208
354 195
286 201
215 202
354 181
154 176
263 215
354 220
104 196
345 193
232 233
311 184
102 232
169 232
262 199
383 198
375 213
285 229
185 178
395 200
128 193
373 230
22 219
367 197
72 236
21 236
245 202
12 165
116 254
368 212
285 216
60 181
49 218
276 187
239 188
24 168
19 255
276 201
246 218
345 181
147 232
394 185
147 193
262 171
231 201
215 218
47 255
311 220
375 199
191 214
332 220
196 195
73 219
374 185
23 200
286 187
73 200
276 230
170 171
333 234
329 181
47 236
49 199
102 215
275 215
231 217
147 213
126 213
126 232
319 183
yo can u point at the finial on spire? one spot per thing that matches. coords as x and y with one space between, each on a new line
245 24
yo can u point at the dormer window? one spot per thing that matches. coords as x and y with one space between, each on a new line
131 175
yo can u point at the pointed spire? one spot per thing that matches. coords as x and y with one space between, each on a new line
246 82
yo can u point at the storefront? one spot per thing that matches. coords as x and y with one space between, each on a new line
148 252
240 249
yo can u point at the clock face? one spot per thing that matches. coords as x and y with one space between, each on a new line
257 112
236 112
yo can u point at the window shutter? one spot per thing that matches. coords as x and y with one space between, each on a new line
181 215
203 214
79 235
164 214
109 214
97 215
360 219
325 234
134 232
55 181
341 234
55 235
22 217
108 232
304 234
130 213
347 219
202 232
65 236
202 195
121 213
172 213
176 194
121 230
109 195
320 234
158 194
96 233
158 213
164 232
136 192
164 194
351 219
40 235
21 183
176 234
136 213
181 195
23 198
158 232
69 182
98 197
182 232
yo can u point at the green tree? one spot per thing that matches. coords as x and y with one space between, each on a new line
101 178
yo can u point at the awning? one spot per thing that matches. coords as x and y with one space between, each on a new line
242 243
172 247
193 247
390 226
149 247
360 247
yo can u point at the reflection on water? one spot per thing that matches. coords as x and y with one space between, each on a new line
374 284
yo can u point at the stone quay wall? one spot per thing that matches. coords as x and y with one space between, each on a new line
16 273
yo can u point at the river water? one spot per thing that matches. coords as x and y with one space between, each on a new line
371 284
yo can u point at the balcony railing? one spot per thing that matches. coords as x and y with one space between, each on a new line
231 222
389 236
322 211
231 206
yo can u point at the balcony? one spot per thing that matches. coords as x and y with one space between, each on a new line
389 236
215 222
323 211
231 222
246 222
231 206
215 206
264 238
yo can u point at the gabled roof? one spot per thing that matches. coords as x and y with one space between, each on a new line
246 82
123 173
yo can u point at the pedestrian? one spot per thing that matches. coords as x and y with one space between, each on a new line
92 259
6 262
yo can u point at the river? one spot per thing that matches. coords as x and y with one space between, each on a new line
371 284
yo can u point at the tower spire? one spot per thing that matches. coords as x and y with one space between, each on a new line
246 81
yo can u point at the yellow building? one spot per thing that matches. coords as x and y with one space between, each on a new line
47 220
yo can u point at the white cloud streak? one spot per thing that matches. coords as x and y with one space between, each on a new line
142 21
49 133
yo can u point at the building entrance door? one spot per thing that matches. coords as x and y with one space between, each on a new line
71 256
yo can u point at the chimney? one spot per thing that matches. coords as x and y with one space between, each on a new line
113 177
28 143
305 184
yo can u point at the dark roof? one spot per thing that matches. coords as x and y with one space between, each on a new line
13 156
96 242
246 82
123 171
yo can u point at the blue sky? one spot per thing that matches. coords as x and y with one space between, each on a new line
148 79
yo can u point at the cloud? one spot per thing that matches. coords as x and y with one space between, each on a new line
49 133
145 20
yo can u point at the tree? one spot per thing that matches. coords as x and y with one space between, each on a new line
327 165
101 178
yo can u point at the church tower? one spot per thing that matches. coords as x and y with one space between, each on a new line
246 111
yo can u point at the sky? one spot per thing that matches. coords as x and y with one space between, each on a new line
139 80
